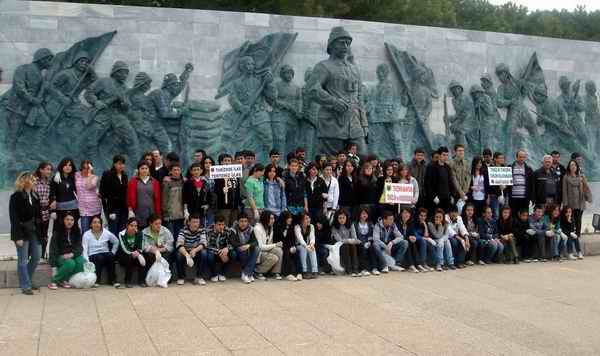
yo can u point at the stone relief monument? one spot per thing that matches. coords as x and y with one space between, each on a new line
58 106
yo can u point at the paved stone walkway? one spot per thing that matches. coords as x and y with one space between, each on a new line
533 309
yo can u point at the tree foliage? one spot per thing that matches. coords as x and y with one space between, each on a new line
469 14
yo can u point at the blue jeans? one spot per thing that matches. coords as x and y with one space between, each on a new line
398 251
200 264
119 224
491 249
305 256
458 251
175 227
573 245
85 222
558 245
216 266
247 259
443 250
28 257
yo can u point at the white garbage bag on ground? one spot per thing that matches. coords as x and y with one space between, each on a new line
159 274
85 279
334 258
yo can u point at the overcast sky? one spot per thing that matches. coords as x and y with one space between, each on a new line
553 4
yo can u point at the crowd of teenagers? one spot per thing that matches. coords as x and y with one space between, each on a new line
285 219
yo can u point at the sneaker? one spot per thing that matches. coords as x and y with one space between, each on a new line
291 278
52 286
572 257
117 285
422 269
180 282
481 263
251 278
200 281
365 273
580 256
322 273
189 261
245 279
470 263
535 260
214 279
430 268
299 277
278 276
354 275
315 275
261 277
397 268
306 275
27 291
222 278
439 268
65 284
385 269
527 260
452 267
413 269
375 272
461 266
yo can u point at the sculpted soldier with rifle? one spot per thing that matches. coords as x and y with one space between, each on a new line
286 113
310 117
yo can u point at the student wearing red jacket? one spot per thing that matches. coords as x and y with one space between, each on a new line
143 195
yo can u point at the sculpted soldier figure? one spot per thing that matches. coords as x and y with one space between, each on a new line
110 99
488 87
26 94
310 117
573 104
510 96
592 116
462 123
336 85
384 116
162 111
486 116
148 126
286 113
249 99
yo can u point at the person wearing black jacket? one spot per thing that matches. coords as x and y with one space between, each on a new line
366 190
389 176
316 191
113 192
284 232
295 189
521 191
196 195
546 184
323 238
346 179
63 191
417 170
440 184
227 193
25 222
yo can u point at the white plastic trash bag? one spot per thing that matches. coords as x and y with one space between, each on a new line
159 274
85 279
334 258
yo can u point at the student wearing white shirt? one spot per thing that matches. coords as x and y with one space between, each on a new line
333 190
96 249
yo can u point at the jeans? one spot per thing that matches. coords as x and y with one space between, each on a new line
378 248
200 264
85 222
216 266
306 255
558 245
494 205
490 249
247 259
175 227
398 251
102 261
28 257
573 245
117 225
443 249
458 251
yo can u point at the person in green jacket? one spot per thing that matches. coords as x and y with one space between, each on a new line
65 252
130 251
254 188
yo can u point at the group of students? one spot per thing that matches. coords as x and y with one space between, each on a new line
298 222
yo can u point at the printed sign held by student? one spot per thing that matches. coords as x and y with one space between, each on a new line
226 171
500 175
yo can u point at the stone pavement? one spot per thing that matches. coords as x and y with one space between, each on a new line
531 309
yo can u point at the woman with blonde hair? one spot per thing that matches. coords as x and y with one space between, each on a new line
25 220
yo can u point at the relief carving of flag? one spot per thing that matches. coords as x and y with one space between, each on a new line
266 53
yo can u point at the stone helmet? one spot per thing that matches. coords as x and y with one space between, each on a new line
337 33
80 55
502 68
454 84
563 80
168 80
140 79
486 76
119 65
41 54
476 88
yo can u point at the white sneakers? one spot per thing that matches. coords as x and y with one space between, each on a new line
365 273
246 279
200 281
375 272
397 268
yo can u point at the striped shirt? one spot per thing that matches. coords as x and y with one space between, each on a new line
42 188
191 239
87 195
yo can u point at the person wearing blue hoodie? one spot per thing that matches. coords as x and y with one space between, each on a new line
388 239
274 193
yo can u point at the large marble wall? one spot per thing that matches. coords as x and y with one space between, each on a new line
161 40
